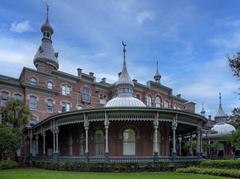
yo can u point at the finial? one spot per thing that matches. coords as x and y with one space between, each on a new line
47 8
220 98
124 51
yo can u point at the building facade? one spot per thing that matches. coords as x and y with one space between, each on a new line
76 117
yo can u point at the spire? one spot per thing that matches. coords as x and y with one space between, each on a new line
203 112
46 28
220 116
46 58
157 75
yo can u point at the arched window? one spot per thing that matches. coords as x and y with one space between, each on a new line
49 105
99 142
102 98
33 102
149 101
81 144
34 120
66 106
85 97
33 81
18 97
129 142
4 98
166 104
50 85
66 90
158 101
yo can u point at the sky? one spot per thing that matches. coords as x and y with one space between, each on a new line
190 39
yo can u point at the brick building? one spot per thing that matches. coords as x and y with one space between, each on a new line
55 97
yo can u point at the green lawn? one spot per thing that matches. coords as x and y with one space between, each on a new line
48 174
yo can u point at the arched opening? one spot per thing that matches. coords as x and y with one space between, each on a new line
129 142
99 142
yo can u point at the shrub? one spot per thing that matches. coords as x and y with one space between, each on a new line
7 164
110 167
211 171
227 164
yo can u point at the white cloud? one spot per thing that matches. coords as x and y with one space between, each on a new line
143 16
21 27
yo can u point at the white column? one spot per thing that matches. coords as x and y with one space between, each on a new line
44 145
190 140
54 142
155 138
180 145
57 131
86 139
198 141
30 142
106 142
36 143
174 139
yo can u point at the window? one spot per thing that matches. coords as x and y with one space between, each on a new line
4 98
102 98
86 95
49 106
50 85
18 97
149 101
33 81
125 90
158 101
66 90
66 106
129 142
166 104
34 120
99 142
33 102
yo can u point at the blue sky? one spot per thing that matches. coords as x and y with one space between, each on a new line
189 38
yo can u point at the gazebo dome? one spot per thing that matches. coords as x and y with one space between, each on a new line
223 129
125 101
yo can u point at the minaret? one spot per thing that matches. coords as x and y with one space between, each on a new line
157 75
45 59
220 116
124 84
203 112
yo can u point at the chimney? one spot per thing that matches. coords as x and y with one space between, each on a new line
91 74
79 72
103 80
179 95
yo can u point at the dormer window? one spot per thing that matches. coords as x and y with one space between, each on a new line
50 85
85 96
66 90
102 99
33 81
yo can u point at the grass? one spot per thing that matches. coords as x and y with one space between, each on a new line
33 173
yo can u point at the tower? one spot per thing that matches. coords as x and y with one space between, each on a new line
124 83
157 75
45 60
220 116
203 112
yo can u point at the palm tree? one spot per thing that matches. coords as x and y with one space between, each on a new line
16 113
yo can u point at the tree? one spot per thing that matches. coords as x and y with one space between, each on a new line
10 139
236 117
16 113
235 139
234 64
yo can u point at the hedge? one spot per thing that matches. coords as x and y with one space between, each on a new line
110 167
7 164
211 171
226 164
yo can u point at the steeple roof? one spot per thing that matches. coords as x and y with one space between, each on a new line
157 75
220 112
124 77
